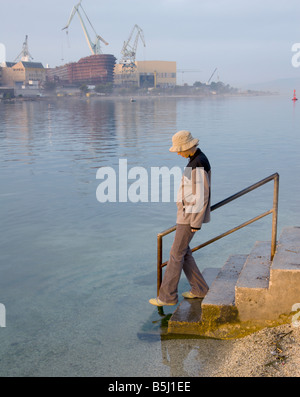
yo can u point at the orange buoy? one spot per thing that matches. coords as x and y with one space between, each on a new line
294 97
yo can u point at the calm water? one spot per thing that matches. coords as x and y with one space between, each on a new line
75 274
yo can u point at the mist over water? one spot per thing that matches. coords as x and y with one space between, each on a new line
76 274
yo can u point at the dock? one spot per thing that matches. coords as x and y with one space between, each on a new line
248 293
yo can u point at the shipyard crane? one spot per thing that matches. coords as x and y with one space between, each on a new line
94 46
211 76
182 71
129 49
24 55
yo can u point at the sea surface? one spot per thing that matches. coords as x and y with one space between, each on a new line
76 274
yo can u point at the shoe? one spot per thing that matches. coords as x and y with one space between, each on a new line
158 302
190 295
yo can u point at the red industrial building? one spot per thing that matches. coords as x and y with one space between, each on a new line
94 69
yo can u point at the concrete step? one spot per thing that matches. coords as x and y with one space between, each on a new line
210 274
187 316
287 256
253 282
285 274
221 291
256 272
267 291
218 306
248 293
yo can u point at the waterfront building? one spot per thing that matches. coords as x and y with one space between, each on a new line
150 74
94 69
23 73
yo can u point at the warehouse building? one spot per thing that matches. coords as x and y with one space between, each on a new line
150 74
22 73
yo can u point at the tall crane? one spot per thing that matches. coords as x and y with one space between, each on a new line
24 55
211 76
129 49
94 46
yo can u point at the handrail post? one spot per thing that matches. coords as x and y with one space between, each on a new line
159 262
275 216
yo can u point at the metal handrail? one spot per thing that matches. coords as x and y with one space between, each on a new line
273 211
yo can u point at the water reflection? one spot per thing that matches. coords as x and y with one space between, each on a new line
184 355
99 131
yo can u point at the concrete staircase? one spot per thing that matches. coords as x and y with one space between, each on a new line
249 293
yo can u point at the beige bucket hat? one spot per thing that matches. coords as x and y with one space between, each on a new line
183 140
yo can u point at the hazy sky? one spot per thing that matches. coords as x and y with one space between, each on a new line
248 41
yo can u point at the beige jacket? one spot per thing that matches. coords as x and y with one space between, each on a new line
194 194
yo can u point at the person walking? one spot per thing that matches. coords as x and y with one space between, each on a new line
193 209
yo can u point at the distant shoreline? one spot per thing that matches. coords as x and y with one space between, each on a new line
67 95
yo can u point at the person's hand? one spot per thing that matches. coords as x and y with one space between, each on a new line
194 230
